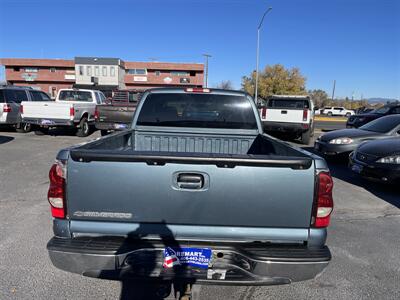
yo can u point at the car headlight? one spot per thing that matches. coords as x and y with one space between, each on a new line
395 159
341 141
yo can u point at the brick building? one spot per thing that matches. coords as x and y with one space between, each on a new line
50 75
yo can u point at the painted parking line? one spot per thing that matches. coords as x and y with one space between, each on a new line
328 119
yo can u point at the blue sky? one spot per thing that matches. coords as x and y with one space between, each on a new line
356 42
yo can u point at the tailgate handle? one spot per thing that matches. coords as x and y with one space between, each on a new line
284 112
190 181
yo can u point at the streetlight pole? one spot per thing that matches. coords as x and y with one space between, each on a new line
206 75
258 53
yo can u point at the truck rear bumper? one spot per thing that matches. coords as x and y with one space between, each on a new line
239 264
49 122
285 126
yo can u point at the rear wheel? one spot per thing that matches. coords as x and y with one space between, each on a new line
23 127
305 137
84 128
330 113
348 115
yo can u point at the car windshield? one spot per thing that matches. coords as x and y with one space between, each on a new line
197 110
75 96
382 110
382 125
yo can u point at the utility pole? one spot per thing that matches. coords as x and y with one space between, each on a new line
333 91
258 54
206 74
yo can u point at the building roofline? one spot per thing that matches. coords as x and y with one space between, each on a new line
37 62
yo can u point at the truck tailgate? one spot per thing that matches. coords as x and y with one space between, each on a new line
284 115
116 113
46 110
139 192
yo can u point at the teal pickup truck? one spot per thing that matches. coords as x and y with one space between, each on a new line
193 191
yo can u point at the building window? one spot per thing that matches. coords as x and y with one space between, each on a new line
31 70
112 71
81 70
96 71
52 70
137 71
158 73
89 71
16 69
192 73
104 71
179 73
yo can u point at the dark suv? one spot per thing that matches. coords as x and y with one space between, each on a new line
10 105
364 118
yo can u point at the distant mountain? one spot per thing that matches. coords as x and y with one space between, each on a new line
381 100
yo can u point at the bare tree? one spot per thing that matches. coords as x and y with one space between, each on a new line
225 85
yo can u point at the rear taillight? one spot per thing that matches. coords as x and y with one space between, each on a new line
96 114
324 203
197 90
6 108
71 112
305 115
56 193
264 113
21 109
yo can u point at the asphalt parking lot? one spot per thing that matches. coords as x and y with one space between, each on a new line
364 236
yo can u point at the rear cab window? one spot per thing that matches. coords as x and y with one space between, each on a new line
39 96
198 111
289 103
75 96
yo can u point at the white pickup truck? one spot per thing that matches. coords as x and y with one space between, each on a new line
291 114
72 108
338 111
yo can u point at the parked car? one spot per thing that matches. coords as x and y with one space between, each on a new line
289 114
338 111
117 113
196 191
361 119
10 105
378 160
345 141
72 108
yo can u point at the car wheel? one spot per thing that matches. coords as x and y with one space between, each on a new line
348 115
305 137
84 128
23 127
330 113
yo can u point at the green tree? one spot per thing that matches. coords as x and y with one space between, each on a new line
276 80
319 97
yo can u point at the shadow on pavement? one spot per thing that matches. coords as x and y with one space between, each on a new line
140 265
5 139
340 170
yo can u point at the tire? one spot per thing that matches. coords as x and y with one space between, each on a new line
84 128
104 132
23 128
348 115
305 137
329 113
312 130
41 131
